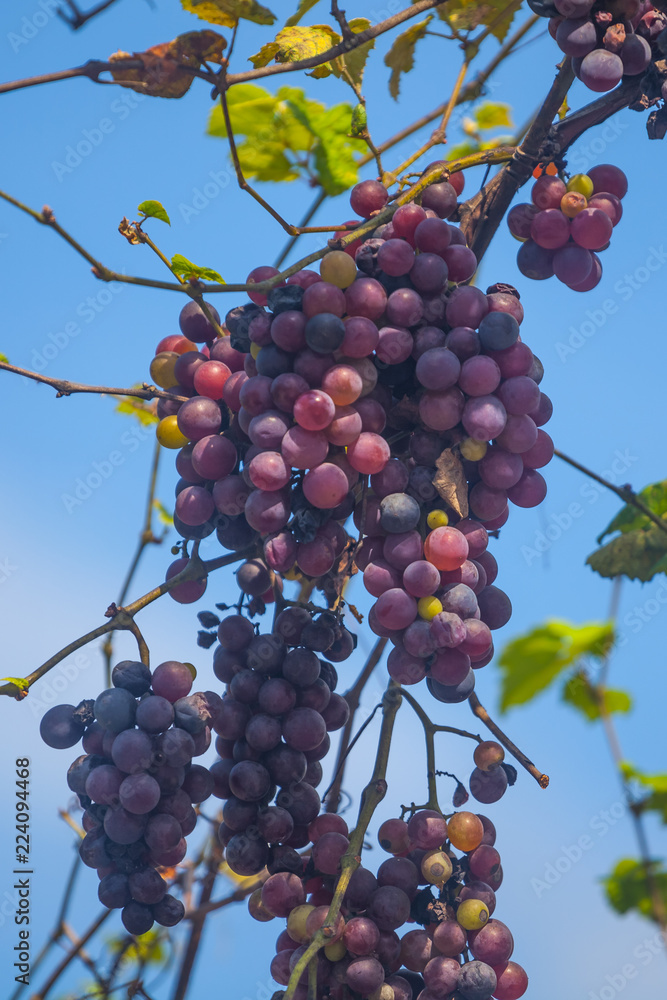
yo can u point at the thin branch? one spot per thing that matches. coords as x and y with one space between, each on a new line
121 618
488 29
91 69
197 920
71 954
336 50
64 387
626 493
332 795
77 18
284 253
482 714
372 795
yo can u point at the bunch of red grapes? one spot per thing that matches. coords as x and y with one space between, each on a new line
457 949
136 782
566 223
607 39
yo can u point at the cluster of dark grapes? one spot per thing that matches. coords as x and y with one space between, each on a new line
136 782
272 732
566 223
459 950
607 39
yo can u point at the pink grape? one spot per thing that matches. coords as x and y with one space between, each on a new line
361 337
395 609
304 449
314 410
325 486
369 453
479 376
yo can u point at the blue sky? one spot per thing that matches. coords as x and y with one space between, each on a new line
62 564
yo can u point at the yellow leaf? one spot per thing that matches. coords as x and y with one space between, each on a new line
493 114
292 44
354 61
142 409
228 12
401 56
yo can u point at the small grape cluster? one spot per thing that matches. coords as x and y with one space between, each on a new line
272 731
136 782
566 222
364 953
607 39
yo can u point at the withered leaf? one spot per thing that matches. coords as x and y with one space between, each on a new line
450 481
163 73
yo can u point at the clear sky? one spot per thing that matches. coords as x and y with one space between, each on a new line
61 565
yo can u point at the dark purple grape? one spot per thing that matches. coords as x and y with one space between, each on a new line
132 675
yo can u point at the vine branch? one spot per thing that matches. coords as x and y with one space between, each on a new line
482 714
64 387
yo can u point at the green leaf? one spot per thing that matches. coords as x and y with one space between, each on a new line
154 210
292 44
146 949
142 409
229 12
492 114
581 694
531 662
465 15
4 359
22 683
164 517
353 63
627 886
302 9
333 152
401 56
631 519
184 268
656 800
638 554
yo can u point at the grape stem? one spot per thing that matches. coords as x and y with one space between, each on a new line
122 618
372 795
64 387
430 729
71 954
332 795
626 493
482 714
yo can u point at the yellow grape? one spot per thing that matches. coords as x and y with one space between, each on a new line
169 434
254 350
572 203
162 369
580 183
465 831
336 951
428 607
436 867
296 923
338 268
472 449
472 914
437 519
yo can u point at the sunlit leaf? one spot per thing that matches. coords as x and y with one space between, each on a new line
638 554
184 268
229 12
154 210
164 517
401 56
354 62
629 518
627 886
492 114
581 694
142 410
292 44
4 359
531 662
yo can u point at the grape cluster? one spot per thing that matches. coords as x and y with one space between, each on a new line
566 222
272 732
607 40
452 899
136 782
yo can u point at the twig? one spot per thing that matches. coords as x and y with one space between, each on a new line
121 618
482 714
197 921
284 253
71 954
372 795
332 795
626 493
336 50
90 69
64 387
430 729
77 18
